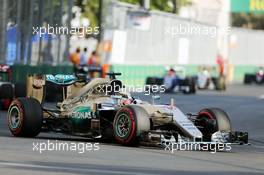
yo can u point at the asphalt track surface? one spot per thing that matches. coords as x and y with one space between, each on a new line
242 103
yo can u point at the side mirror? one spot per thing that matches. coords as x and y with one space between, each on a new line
154 98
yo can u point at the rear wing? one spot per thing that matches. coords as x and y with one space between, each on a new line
36 87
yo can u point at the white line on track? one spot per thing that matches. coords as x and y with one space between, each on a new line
88 170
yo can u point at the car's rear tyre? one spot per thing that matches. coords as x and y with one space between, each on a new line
6 95
154 81
150 80
129 123
25 117
6 91
249 78
190 83
212 120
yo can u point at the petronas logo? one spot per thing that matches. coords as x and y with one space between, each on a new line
82 112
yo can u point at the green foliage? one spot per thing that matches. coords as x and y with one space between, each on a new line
90 8
162 5
171 6
251 20
131 1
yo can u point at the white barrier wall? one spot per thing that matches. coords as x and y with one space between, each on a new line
160 41
246 47
167 39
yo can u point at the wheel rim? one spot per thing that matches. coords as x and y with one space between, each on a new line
123 125
205 119
14 117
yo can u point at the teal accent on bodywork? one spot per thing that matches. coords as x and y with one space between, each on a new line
20 72
82 109
82 112
81 119
61 79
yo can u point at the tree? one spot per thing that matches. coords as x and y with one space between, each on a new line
170 6
90 8
251 20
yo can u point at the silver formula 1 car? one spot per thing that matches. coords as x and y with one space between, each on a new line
102 109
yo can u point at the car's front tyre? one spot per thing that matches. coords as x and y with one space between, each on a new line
129 123
211 120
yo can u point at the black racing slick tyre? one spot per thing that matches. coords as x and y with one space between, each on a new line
154 81
193 86
249 78
150 80
129 123
6 91
190 83
25 117
211 120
